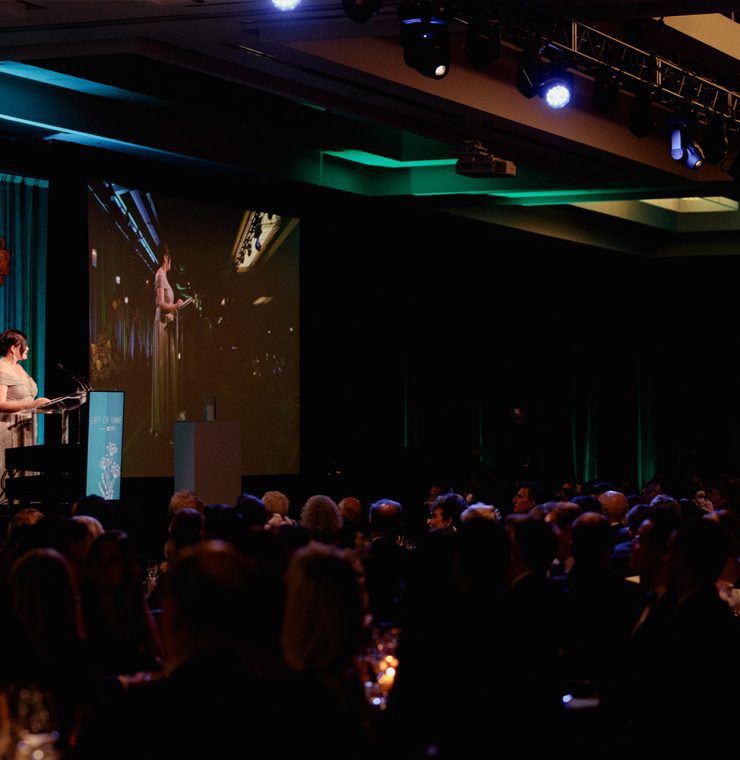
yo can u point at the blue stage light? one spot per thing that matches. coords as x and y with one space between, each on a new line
286 5
684 148
694 158
556 93
425 38
557 87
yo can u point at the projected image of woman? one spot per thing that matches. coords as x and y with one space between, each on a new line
164 351
17 395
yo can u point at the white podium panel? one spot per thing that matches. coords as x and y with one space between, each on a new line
208 460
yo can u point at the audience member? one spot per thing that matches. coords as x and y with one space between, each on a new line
528 494
351 534
277 505
446 511
252 510
322 519
185 499
120 629
97 507
385 562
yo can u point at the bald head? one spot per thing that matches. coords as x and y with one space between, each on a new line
386 517
615 505
592 539
186 500
351 509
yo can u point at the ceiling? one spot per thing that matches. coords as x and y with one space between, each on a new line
312 97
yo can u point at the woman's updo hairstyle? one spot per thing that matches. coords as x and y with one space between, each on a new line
11 338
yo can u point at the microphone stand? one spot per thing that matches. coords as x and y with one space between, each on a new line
83 388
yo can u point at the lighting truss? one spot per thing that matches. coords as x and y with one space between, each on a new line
588 50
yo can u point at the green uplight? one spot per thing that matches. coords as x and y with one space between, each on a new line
383 162
544 193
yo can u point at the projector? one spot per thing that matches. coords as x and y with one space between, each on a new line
476 161
484 166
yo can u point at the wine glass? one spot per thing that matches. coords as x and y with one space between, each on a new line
151 574
381 665
34 725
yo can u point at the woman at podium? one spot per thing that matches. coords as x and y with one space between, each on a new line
17 395
164 351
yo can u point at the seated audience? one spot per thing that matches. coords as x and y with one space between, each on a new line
220 620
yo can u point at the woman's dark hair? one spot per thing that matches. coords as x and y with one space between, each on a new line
12 338
186 527
95 506
252 509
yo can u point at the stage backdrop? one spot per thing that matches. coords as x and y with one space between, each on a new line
23 230
232 352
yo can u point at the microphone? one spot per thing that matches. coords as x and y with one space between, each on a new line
84 385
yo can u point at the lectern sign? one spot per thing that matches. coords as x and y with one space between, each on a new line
105 444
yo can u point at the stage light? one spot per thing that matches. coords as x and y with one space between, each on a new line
684 147
605 96
686 151
530 73
425 38
694 158
715 140
482 42
286 5
361 10
641 120
557 89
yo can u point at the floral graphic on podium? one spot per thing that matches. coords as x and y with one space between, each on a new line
111 467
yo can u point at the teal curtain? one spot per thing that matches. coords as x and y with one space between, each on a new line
646 451
23 224
583 428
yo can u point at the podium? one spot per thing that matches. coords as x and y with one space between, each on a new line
63 405
59 479
208 460
56 471
58 474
